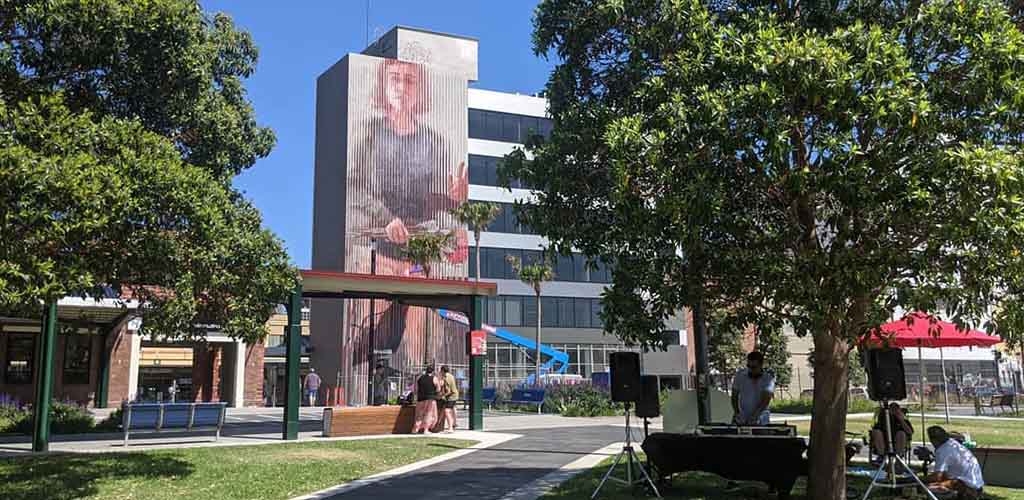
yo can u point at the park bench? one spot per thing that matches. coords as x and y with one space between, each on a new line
1003 401
172 417
489 395
528 397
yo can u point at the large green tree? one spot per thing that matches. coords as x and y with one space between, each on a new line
121 126
816 162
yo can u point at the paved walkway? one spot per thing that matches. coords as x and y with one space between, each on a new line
497 472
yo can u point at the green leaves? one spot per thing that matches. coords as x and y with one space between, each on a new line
533 274
426 249
165 63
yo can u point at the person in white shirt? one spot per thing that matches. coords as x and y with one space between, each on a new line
956 468
752 391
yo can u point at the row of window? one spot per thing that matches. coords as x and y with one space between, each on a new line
483 171
494 264
556 312
506 361
20 359
507 222
506 127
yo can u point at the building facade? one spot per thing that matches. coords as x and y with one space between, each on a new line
402 138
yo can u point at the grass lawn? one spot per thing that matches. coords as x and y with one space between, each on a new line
229 472
700 486
984 432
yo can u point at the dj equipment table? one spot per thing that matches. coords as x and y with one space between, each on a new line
775 460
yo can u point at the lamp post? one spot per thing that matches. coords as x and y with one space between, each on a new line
372 355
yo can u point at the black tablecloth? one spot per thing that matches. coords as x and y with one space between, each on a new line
775 461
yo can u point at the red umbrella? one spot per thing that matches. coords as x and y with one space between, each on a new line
923 330
920 330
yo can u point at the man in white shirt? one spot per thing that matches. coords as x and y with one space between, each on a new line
752 391
956 468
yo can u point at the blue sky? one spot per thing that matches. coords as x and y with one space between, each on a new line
299 40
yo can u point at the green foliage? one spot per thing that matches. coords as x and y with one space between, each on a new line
65 418
121 127
104 202
579 400
821 165
426 249
805 406
166 63
534 275
477 216
112 423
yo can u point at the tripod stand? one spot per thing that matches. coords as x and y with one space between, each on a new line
892 459
632 460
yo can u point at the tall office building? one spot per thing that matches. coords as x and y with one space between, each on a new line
401 138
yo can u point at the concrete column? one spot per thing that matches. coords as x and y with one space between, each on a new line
238 386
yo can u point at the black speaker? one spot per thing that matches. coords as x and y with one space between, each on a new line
648 406
625 374
886 380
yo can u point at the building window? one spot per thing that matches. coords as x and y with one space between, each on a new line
77 353
20 351
506 127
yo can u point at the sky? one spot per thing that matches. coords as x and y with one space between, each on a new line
299 40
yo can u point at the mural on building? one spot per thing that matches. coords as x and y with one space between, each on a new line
406 169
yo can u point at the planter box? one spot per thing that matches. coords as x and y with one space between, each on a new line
368 420
1002 466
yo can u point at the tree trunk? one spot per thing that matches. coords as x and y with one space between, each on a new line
536 360
827 456
476 236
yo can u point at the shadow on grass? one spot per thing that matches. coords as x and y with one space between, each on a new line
68 476
703 486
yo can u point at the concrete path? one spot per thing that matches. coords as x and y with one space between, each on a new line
510 470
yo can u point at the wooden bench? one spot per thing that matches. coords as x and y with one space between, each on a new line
1003 401
528 397
172 417
368 420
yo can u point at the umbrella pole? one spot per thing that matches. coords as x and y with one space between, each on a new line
920 381
945 383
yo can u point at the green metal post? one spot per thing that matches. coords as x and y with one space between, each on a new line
44 380
293 347
103 374
476 371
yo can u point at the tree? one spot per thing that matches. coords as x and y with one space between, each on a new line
817 163
534 275
477 216
424 250
121 125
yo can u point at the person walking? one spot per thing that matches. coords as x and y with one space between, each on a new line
380 385
427 393
450 395
312 386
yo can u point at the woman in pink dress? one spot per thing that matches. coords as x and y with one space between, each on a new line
427 394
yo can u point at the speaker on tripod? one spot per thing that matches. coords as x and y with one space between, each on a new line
626 388
625 376
886 379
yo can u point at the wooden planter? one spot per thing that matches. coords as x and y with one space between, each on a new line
368 420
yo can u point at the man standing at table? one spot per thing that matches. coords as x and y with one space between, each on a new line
752 390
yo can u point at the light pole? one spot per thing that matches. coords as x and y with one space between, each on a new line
372 355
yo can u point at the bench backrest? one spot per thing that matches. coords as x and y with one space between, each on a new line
528 395
208 414
489 393
141 416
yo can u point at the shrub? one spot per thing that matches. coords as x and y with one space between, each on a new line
111 423
804 406
579 400
65 418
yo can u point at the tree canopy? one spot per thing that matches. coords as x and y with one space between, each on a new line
820 163
121 126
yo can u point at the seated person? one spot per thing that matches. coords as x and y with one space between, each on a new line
901 428
956 468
